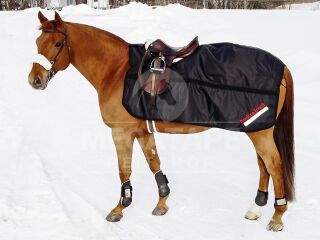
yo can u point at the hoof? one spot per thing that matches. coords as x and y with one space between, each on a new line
274 226
159 211
112 217
252 215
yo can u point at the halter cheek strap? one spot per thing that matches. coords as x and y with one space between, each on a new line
43 61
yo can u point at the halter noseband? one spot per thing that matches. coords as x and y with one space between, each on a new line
52 71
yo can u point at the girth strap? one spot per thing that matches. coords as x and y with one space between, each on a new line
150 126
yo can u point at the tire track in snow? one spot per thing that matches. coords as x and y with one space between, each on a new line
67 199
133 232
74 202
31 202
57 199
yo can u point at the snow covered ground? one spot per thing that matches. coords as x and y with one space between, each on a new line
58 166
315 6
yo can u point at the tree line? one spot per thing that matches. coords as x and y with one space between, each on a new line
23 4
217 4
210 4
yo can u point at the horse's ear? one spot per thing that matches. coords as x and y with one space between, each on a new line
57 18
41 17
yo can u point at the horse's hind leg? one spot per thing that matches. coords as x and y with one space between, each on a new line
149 149
262 195
266 148
124 143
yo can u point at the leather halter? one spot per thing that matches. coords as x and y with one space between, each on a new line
52 72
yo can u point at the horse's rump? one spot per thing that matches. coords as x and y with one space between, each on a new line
221 85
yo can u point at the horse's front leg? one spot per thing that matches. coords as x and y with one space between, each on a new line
149 149
123 141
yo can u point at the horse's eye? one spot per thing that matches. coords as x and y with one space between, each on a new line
58 44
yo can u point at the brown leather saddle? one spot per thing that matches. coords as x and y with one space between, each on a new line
162 56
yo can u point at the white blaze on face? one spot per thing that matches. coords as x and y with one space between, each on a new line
43 61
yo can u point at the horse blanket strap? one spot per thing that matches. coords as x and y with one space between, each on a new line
280 202
162 183
126 194
220 85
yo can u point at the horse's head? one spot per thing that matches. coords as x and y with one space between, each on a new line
53 51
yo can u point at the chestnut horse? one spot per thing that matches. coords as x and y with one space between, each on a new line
102 58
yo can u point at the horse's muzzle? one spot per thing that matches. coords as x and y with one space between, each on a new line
37 82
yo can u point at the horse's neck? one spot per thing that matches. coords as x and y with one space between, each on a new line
96 54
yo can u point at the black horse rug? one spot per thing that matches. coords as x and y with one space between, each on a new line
220 85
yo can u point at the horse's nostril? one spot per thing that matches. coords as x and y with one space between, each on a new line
37 81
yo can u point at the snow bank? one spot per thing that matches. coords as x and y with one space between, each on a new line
79 9
315 6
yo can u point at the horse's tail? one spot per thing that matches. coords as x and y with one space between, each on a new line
284 137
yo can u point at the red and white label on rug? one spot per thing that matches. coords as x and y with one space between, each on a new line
257 112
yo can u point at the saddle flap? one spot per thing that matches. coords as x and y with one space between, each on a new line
161 84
